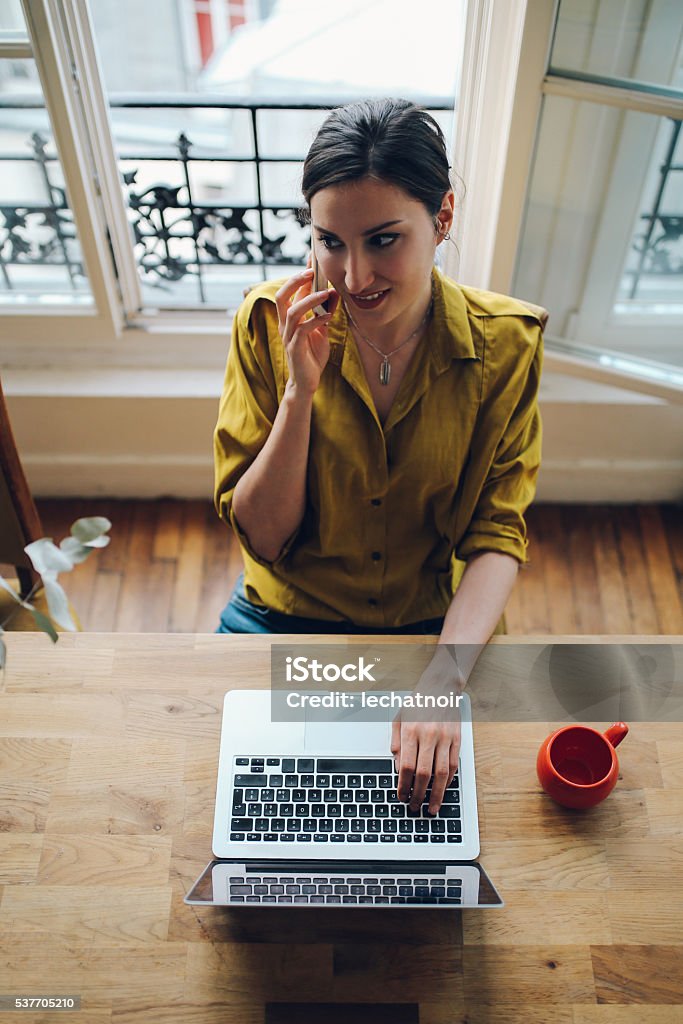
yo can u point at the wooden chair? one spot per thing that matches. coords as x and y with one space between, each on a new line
19 525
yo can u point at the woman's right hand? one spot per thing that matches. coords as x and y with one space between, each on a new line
306 343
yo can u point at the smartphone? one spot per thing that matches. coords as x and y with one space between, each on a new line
319 283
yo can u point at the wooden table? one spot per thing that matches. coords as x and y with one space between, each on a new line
108 753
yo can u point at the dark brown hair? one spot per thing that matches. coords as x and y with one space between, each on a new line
390 140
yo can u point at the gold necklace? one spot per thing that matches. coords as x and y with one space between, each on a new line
385 365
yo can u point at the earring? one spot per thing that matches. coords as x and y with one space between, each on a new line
447 236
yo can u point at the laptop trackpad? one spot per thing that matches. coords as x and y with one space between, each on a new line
348 737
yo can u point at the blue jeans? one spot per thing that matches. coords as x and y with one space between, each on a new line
241 616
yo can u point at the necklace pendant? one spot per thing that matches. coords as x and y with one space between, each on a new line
385 372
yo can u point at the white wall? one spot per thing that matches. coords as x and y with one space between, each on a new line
601 443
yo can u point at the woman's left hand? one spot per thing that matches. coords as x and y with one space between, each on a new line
424 751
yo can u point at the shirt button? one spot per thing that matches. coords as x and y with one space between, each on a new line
375 501
372 602
376 555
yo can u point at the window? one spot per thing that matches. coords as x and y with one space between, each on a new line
181 126
601 243
41 261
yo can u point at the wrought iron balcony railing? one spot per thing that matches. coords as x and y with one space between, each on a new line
183 241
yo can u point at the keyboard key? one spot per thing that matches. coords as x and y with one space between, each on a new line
355 764
275 781
254 811
301 899
341 825
241 824
389 826
301 811
291 781
350 811
240 810
262 890
287 764
298 795
272 761
244 781
287 837
262 825
306 780
237 837
346 796
357 825
318 810
253 837
362 796
336 837
330 796
374 826
386 782
286 810
341 888
241 760
322 781
353 780
314 796
333 810
292 889
387 839
240 890
316 899
325 825
270 810
305 764
257 768
404 839
318 838
257 762
293 825
338 780
353 838
377 796
369 781
365 811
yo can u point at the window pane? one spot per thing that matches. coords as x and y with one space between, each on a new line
601 241
40 255
207 216
12 23
641 40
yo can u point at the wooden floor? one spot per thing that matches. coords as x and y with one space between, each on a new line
171 565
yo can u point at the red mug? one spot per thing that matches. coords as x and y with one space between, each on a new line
577 766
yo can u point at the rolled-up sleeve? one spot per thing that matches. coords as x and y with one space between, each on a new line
247 410
509 485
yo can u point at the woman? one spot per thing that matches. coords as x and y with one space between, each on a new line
361 451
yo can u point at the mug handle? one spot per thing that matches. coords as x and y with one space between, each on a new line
616 733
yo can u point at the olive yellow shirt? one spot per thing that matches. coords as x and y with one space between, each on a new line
392 510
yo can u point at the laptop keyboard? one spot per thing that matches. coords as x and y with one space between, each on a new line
326 889
332 800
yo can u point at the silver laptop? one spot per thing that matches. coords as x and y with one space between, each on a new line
307 815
